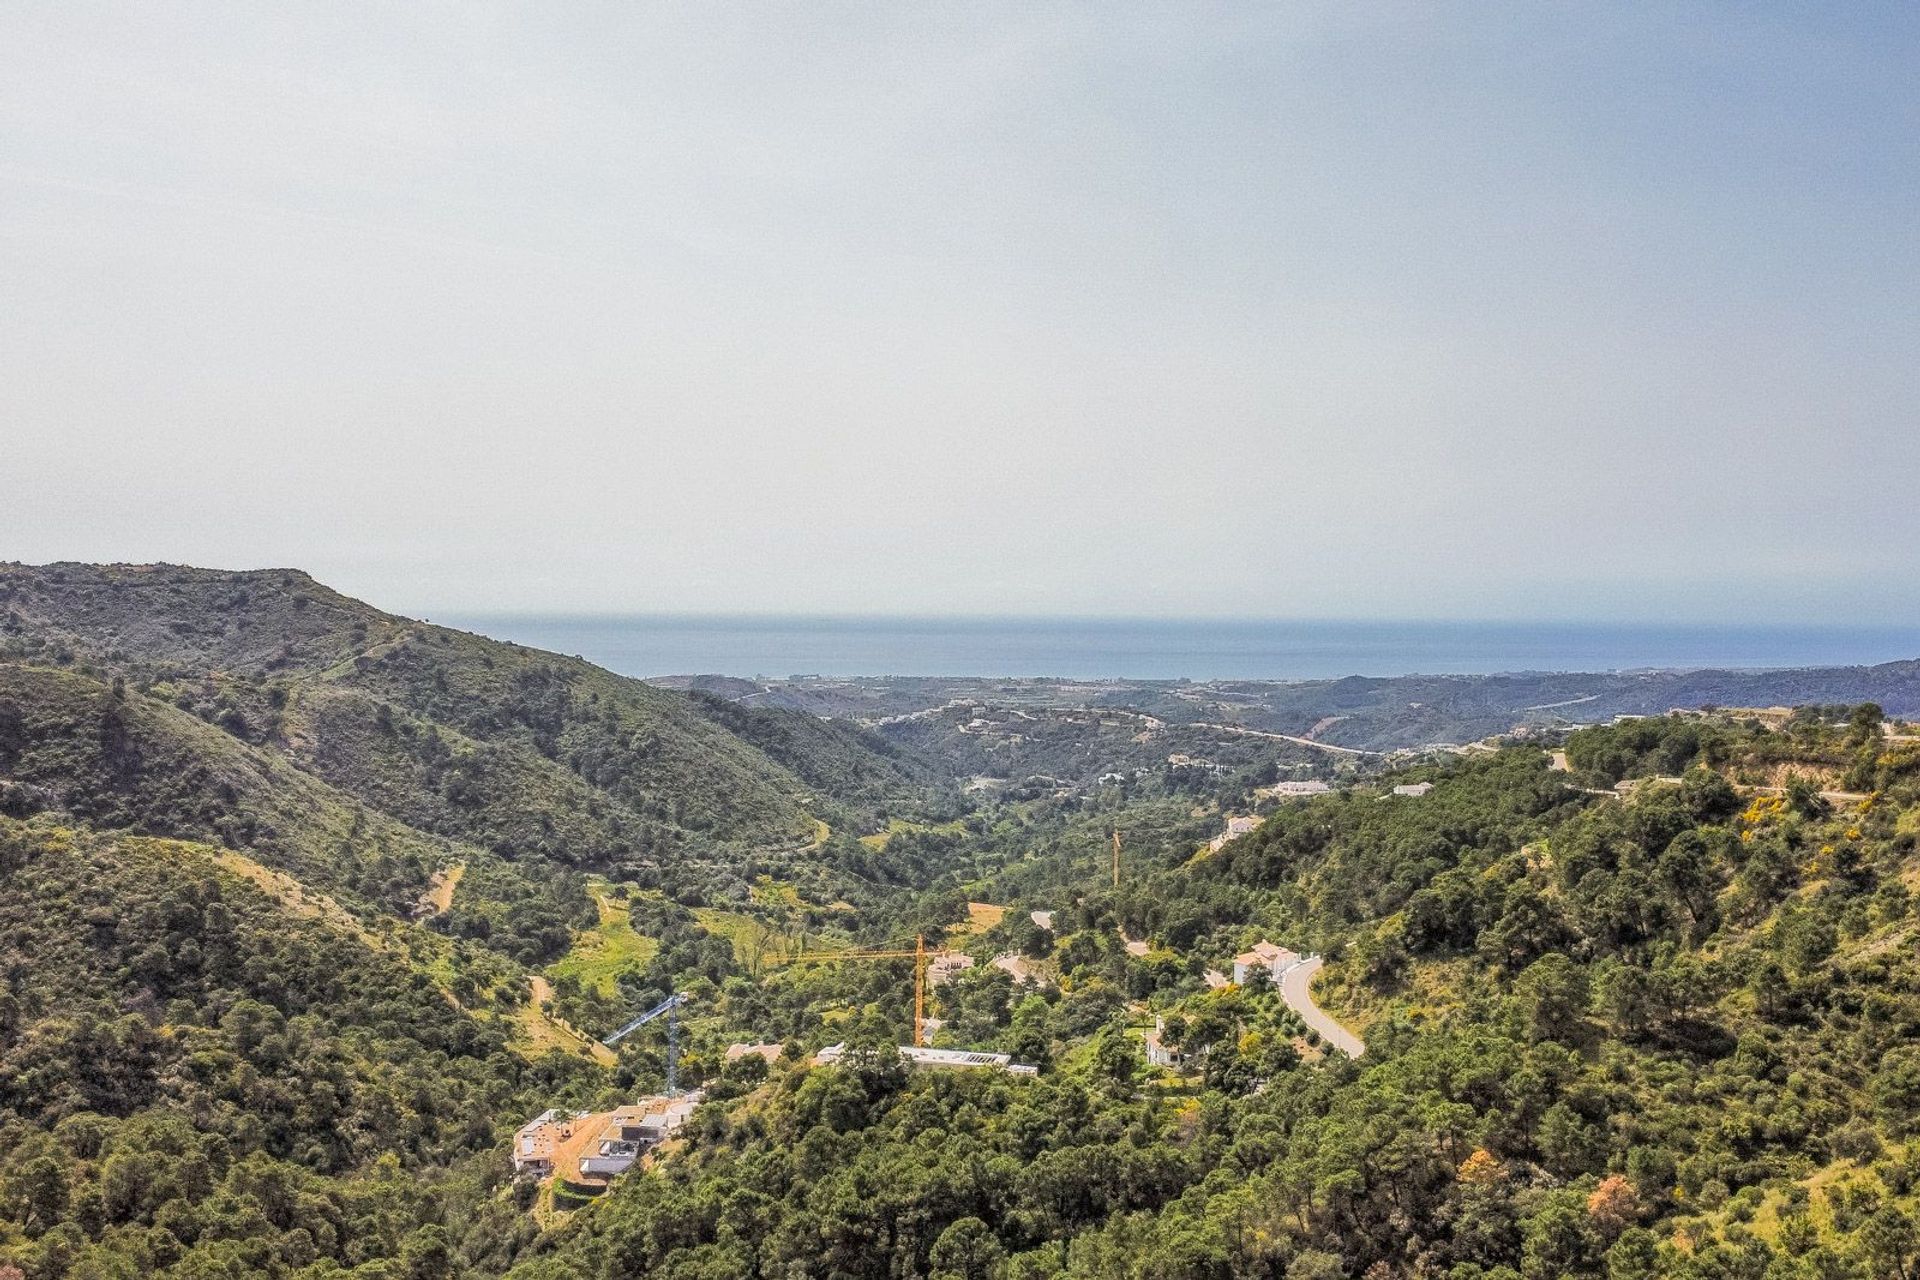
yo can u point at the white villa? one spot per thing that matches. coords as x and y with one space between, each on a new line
1160 1054
1288 789
945 966
1264 955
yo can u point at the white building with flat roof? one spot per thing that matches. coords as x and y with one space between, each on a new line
539 1138
1236 827
938 1059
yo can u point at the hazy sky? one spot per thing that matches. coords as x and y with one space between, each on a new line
1350 309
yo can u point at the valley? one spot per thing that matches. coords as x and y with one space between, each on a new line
1352 716
311 911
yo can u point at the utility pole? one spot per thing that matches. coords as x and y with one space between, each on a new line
1116 857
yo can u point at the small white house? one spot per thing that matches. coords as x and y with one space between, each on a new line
1275 960
1236 827
1161 1054
1415 789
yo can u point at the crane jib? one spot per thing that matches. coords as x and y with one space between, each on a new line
671 1002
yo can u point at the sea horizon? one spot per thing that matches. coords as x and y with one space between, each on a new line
779 646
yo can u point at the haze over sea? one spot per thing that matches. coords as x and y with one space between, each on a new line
1101 648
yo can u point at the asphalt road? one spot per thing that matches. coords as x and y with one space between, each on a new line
1296 988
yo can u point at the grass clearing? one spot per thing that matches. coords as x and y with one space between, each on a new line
747 933
984 915
768 892
878 840
759 944
439 896
601 954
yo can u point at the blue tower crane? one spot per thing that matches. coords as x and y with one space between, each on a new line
668 1007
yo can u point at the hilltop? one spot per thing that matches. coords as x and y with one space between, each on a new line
519 751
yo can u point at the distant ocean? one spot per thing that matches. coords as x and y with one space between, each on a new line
1082 648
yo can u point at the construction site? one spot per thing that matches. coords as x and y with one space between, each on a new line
581 1152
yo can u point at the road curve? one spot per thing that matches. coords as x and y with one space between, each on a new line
1280 737
1296 988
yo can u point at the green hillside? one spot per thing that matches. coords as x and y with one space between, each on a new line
111 757
193 1080
1661 1031
292 935
596 766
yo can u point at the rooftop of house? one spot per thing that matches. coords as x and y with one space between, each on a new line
1266 953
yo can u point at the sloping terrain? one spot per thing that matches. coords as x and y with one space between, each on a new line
193 1077
510 748
112 758
1641 1006
1665 1030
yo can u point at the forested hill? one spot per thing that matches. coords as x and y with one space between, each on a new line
195 1080
302 906
1613 1033
513 749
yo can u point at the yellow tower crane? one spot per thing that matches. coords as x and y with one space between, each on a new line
919 957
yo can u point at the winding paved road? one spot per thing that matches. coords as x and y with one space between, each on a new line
1243 731
1296 988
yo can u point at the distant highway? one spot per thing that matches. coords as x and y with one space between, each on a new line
1282 737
